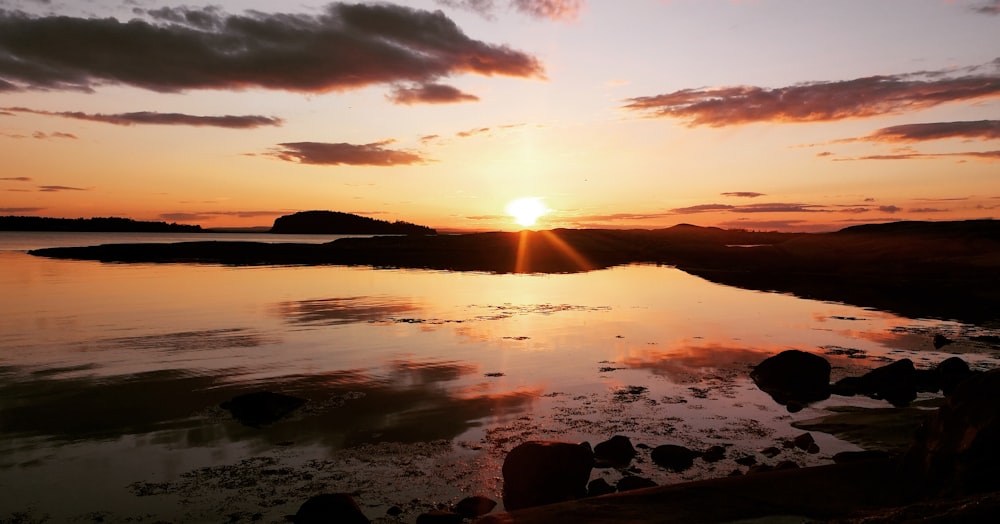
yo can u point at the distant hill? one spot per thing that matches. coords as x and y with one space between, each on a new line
337 223
98 224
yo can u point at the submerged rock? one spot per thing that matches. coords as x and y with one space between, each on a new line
261 407
598 487
475 506
630 482
329 507
544 472
793 378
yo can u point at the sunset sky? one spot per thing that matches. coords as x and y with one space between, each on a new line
792 115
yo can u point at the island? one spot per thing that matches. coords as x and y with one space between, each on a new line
338 223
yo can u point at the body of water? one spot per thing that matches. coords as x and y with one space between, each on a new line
418 382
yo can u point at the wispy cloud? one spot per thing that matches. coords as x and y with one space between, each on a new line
45 136
743 194
472 132
771 207
152 117
321 153
558 10
981 129
174 49
974 155
822 101
16 178
20 209
207 215
55 189
430 94
988 7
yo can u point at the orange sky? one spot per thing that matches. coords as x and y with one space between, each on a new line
759 114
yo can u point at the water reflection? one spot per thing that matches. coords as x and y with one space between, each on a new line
343 310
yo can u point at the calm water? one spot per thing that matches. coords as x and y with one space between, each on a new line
418 381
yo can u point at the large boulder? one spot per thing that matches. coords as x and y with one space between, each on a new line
329 507
895 382
793 378
615 452
673 457
957 451
545 472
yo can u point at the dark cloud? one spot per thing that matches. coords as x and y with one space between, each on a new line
821 101
321 153
430 94
16 178
702 208
20 209
204 215
928 210
347 46
558 10
889 209
152 117
983 129
45 136
53 189
988 7
743 194
975 155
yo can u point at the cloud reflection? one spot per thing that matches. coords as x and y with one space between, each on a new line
343 310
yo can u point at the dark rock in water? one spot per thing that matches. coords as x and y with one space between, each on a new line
957 451
759 468
475 506
673 457
748 460
845 457
439 516
598 487
714 454
630 482
896 382
786 464
847 387
614 452
927 380
951 372
770 452
941 341
394 511
793 378
261 407
329 507
544 472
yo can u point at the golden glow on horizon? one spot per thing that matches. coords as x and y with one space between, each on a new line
526 211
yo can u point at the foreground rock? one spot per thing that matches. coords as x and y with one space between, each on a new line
957 451
329 507
544 472
261 408
793 378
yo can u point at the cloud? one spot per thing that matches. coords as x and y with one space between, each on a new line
44 136
702 208
54 189
430 94
20 209
743 194
983 129
889 209
16 179
321 153
152 117
203 215
557 10
821 101
749 208
989 7
975 155
928 210
472 132
347 46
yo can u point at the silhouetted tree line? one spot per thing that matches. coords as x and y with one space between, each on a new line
96 224
338 223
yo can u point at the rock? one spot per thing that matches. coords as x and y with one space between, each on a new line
394 511
941 341
896 383
793 378
544 472
475 506
439 516
598 487
630 482
786 464
957 450
615 452
804 441
770 452
673 457
951 372
748 460
329 507
847 387
714 454
261 408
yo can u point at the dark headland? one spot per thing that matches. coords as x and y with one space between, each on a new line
92 225
918 269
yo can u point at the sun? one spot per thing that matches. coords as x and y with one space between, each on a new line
526 211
